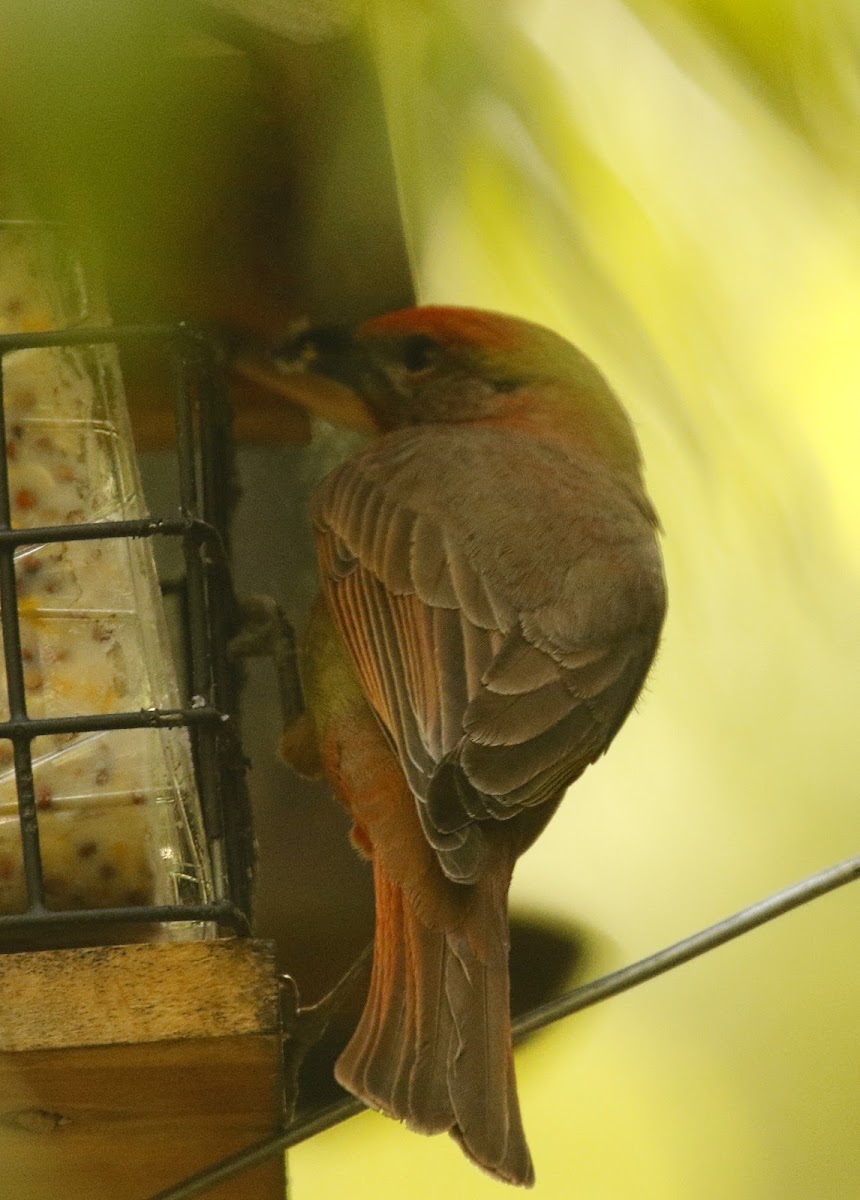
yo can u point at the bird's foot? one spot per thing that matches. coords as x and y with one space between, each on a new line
303 1026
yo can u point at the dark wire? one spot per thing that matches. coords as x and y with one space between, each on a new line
546 1014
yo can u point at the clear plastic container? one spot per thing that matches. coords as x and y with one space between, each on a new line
119 819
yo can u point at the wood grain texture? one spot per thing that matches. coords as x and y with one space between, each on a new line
107 995
124 1069
127 1121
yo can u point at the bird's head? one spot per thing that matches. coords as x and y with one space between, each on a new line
433 364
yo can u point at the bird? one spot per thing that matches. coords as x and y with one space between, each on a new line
493 596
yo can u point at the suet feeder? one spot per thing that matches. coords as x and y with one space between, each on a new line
157 203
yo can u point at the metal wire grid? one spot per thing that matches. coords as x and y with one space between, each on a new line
203 459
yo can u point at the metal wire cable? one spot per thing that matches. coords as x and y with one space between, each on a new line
613 984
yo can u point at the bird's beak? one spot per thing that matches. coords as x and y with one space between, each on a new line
356 388
320 370
316 394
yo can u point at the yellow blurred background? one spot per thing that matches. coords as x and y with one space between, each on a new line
675 187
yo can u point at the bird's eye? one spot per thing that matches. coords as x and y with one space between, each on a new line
419 352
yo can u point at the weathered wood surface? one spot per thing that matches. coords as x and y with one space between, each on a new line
125 1069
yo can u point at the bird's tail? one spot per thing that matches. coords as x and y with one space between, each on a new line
433 1045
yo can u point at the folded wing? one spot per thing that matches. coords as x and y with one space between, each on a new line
502 601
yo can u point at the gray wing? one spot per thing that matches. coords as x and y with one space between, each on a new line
502 602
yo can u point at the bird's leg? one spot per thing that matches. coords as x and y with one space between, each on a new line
265 632
303 1026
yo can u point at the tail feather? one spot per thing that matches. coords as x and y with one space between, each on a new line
433 1045
480 1066
373 1056
427 1095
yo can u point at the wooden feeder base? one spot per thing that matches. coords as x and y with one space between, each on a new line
124 1069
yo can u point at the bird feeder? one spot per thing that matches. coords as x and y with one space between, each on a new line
125 844
173 157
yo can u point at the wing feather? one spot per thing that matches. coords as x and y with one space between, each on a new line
431 577
501 639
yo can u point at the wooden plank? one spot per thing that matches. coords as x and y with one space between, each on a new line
127 1121
141 993
124 1069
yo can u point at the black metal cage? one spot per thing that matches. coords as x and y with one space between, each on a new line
209 708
